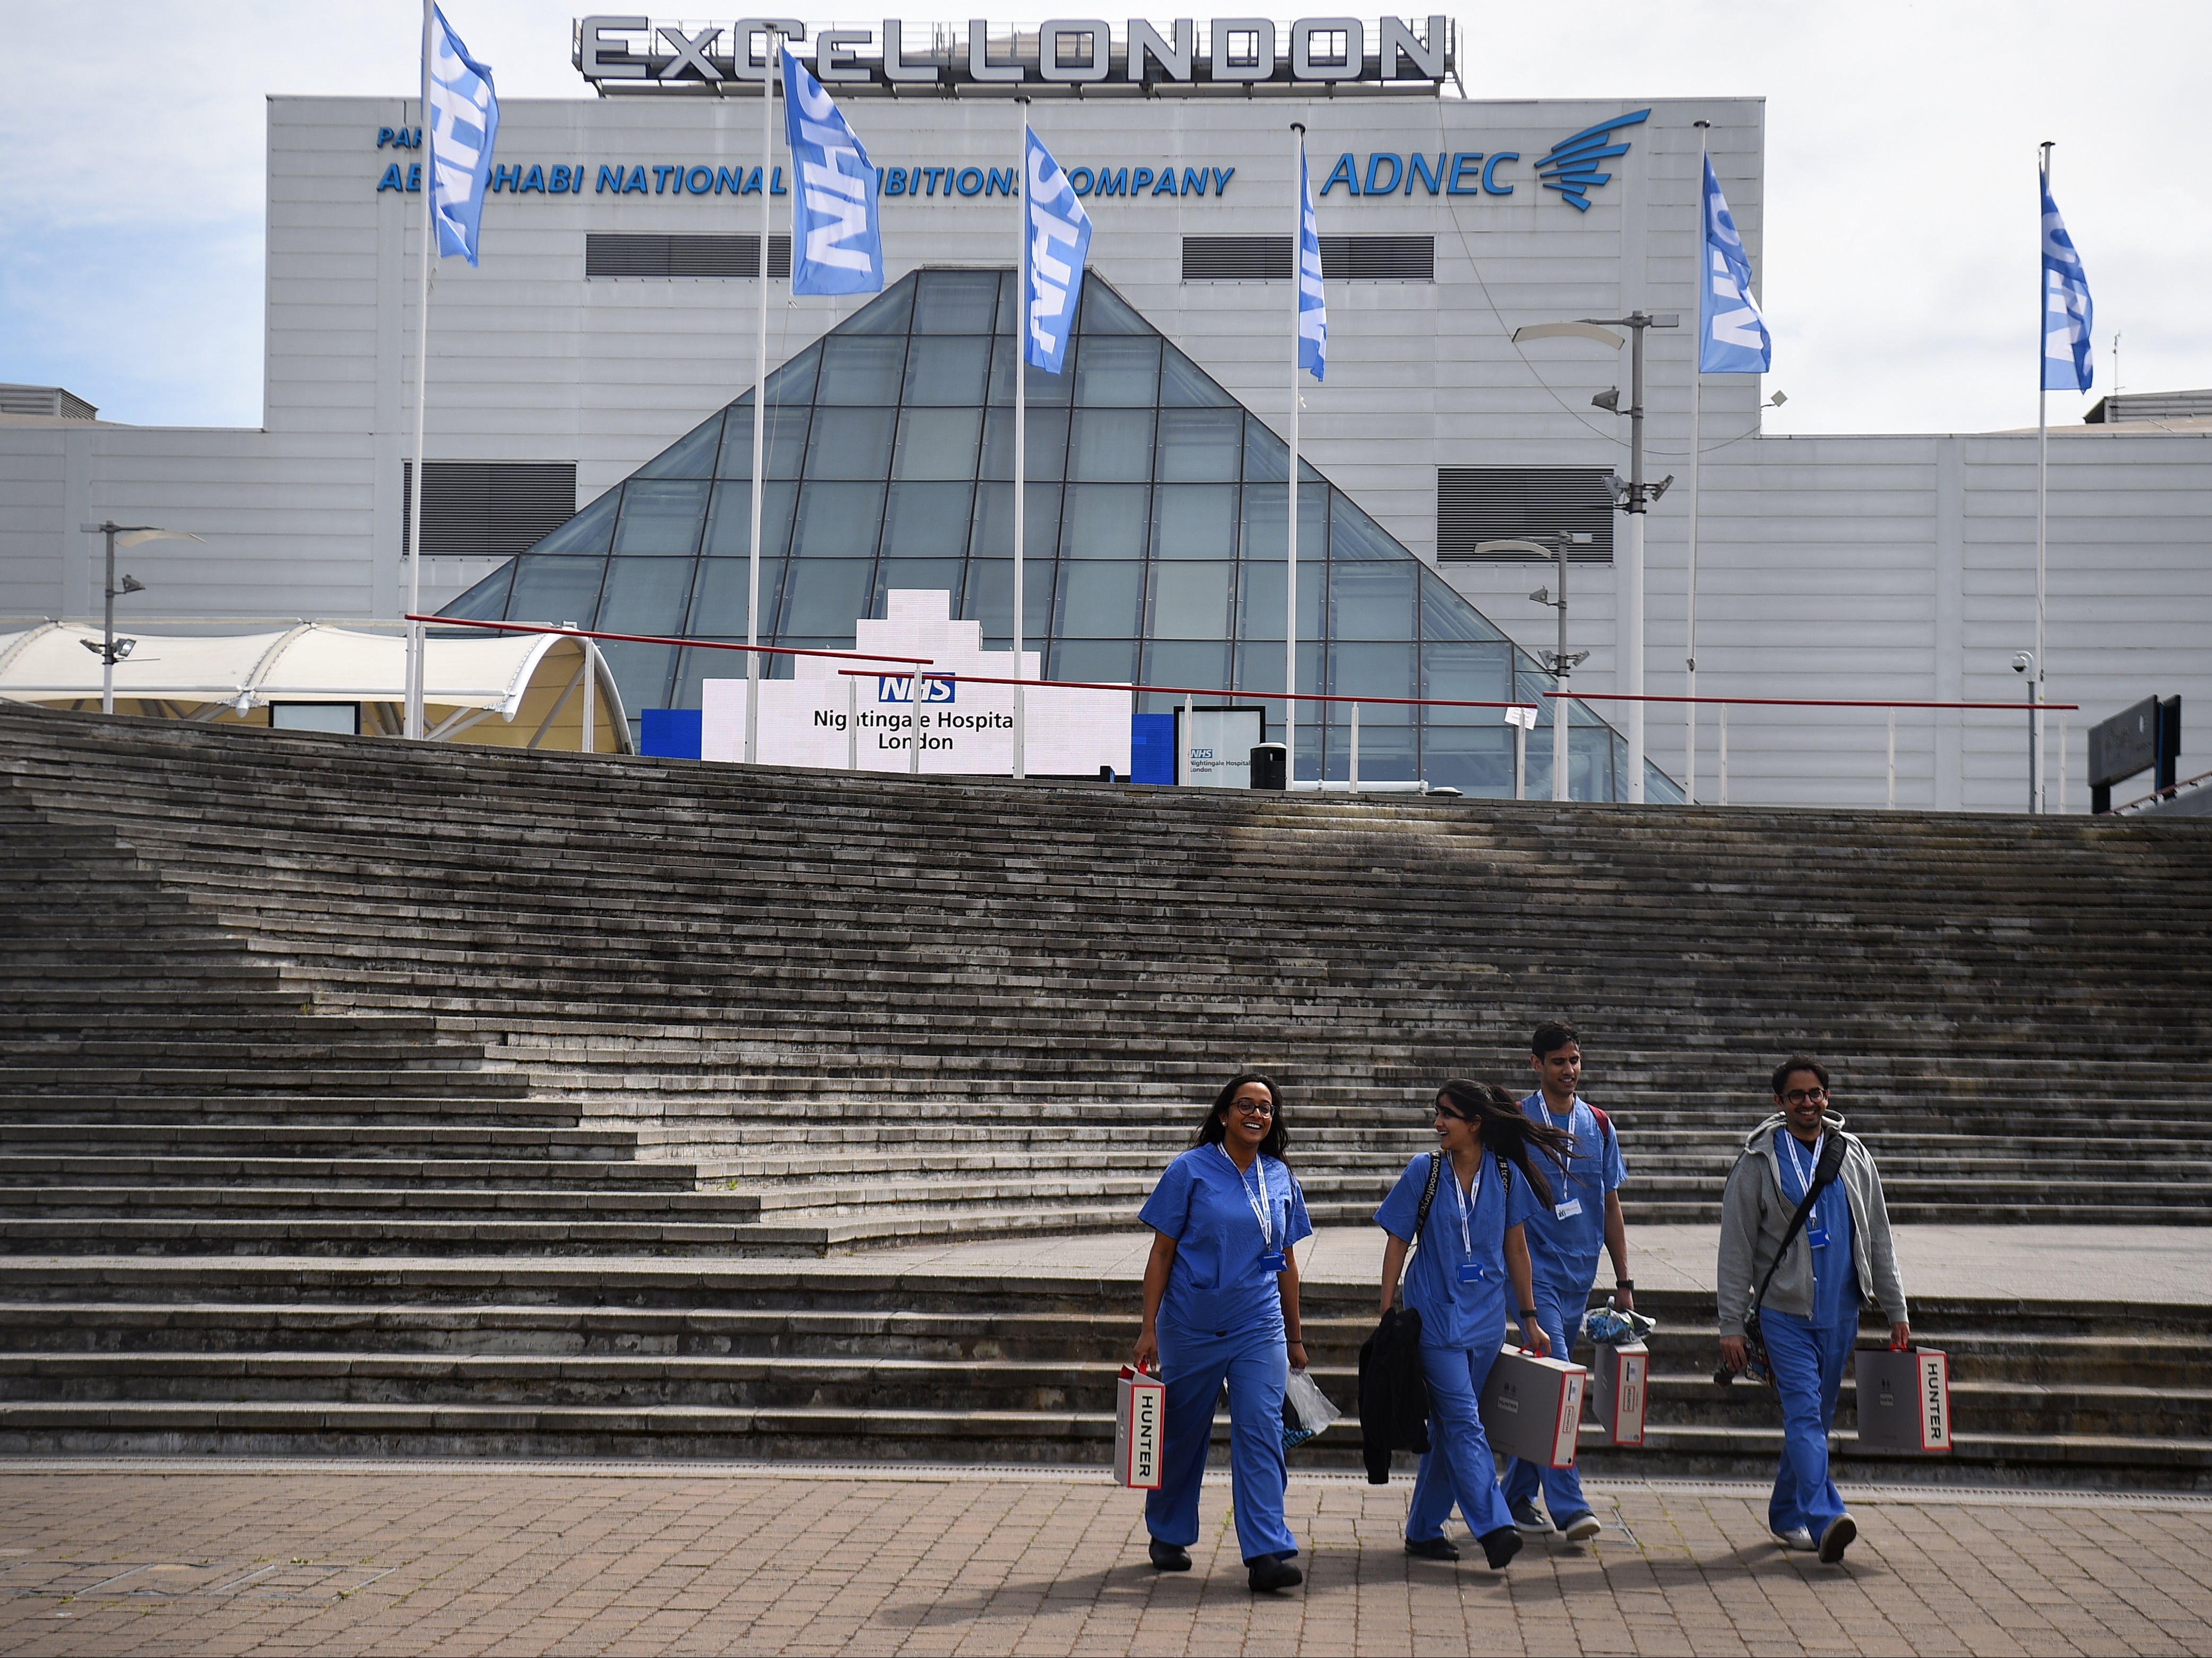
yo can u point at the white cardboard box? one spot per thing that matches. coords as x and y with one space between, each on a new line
1904 1399
1140 1425
1618 1385
1531 1407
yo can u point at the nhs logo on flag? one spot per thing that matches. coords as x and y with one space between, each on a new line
899 688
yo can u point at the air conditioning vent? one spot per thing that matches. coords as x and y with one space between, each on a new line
606 254
1343 258
1475 504
488 509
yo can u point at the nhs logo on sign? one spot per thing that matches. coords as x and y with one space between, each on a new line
899 688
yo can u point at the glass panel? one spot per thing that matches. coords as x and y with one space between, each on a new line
1105 312
928 520
1194 521
1481 673
937 443
661 518
928 574
886 314
1111 443
786 445
1259 668
1478 760
589 532
641 673
487 600
1048 444
1260 606
556 591
1105 520
646 595
1184 385
730 523
718 600
861 370
1372 671
1190 599
793 383
1112 661
851 443
825 597
1100 600
837 520
1117 373
1445 614
990 600
1356 536
955 301
1202 666
1044 391
691 456
947 371
994 536
1264 538
1371 601
1200 443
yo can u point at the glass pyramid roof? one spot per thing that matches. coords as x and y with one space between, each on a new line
1155 543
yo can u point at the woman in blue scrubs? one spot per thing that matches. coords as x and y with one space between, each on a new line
1221 1301
1471 1249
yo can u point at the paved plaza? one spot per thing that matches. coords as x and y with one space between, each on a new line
495 1558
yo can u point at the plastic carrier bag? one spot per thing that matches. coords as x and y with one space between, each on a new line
1306 1409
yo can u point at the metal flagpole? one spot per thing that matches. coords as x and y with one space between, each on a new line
1021 433
1291 567
1697 416
771 71
2042 476
413 722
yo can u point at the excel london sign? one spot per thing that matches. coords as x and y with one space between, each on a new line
641 54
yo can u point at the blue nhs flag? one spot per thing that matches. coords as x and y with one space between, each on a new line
1059 241
837 241
1313 304
464 123
1732 337
2067 313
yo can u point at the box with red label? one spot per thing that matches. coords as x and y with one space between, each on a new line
1140 1419
1531 1407
1904 1399
1617 1385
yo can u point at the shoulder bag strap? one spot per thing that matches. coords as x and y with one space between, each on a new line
1831 1164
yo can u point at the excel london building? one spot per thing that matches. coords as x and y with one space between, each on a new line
589 413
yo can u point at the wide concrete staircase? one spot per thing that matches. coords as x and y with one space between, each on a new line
383 1008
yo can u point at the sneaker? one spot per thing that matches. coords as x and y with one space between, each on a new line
1169 1557
1272 1571
1799 1539
1530 1523
1431 1548
1500 1547
1581 1528
1840 1533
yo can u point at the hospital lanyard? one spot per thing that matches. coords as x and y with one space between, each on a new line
1805 1175
1262 1210
1468 1199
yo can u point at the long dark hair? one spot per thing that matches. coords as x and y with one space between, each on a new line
1506 1130
1213 1130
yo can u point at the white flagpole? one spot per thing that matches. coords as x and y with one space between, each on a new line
2035 766
772 69
1290 565
1697 415
1021 430
412 724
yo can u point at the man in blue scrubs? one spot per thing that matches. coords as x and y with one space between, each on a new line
1562 1251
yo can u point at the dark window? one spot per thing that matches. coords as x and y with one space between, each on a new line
1343 258
488 509
606 254
1475 504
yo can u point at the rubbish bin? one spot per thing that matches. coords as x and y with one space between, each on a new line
1270 765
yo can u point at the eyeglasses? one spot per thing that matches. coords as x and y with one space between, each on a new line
1806 1096
1246 1109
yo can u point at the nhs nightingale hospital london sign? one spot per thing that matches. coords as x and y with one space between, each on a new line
632 54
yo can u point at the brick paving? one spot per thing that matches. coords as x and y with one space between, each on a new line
470 1558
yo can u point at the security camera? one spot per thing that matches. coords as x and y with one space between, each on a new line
2022 662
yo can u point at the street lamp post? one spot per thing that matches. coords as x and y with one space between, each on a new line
112 649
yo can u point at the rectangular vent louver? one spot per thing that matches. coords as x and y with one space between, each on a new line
488 509
606 254
1475 504
1343 258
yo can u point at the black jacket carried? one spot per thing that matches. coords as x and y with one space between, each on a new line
1393 1394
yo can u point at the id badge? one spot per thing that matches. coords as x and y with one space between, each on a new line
1271 1260
1471 1272
1568 1210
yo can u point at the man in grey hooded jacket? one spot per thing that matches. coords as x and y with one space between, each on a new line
1841 1259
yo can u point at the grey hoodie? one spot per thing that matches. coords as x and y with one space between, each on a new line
1755 1213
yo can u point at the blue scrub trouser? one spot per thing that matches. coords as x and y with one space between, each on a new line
1563 1487
1256 1366
1807 1361
1459 1467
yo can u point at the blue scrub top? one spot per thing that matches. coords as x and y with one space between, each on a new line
1217 1283
1835 1273
1455 1315
1563 1254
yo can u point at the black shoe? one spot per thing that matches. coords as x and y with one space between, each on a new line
1167 1556
1500 1547
1272 1571
1431 1548
1842 1532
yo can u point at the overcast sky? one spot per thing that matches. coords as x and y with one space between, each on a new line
1899 270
